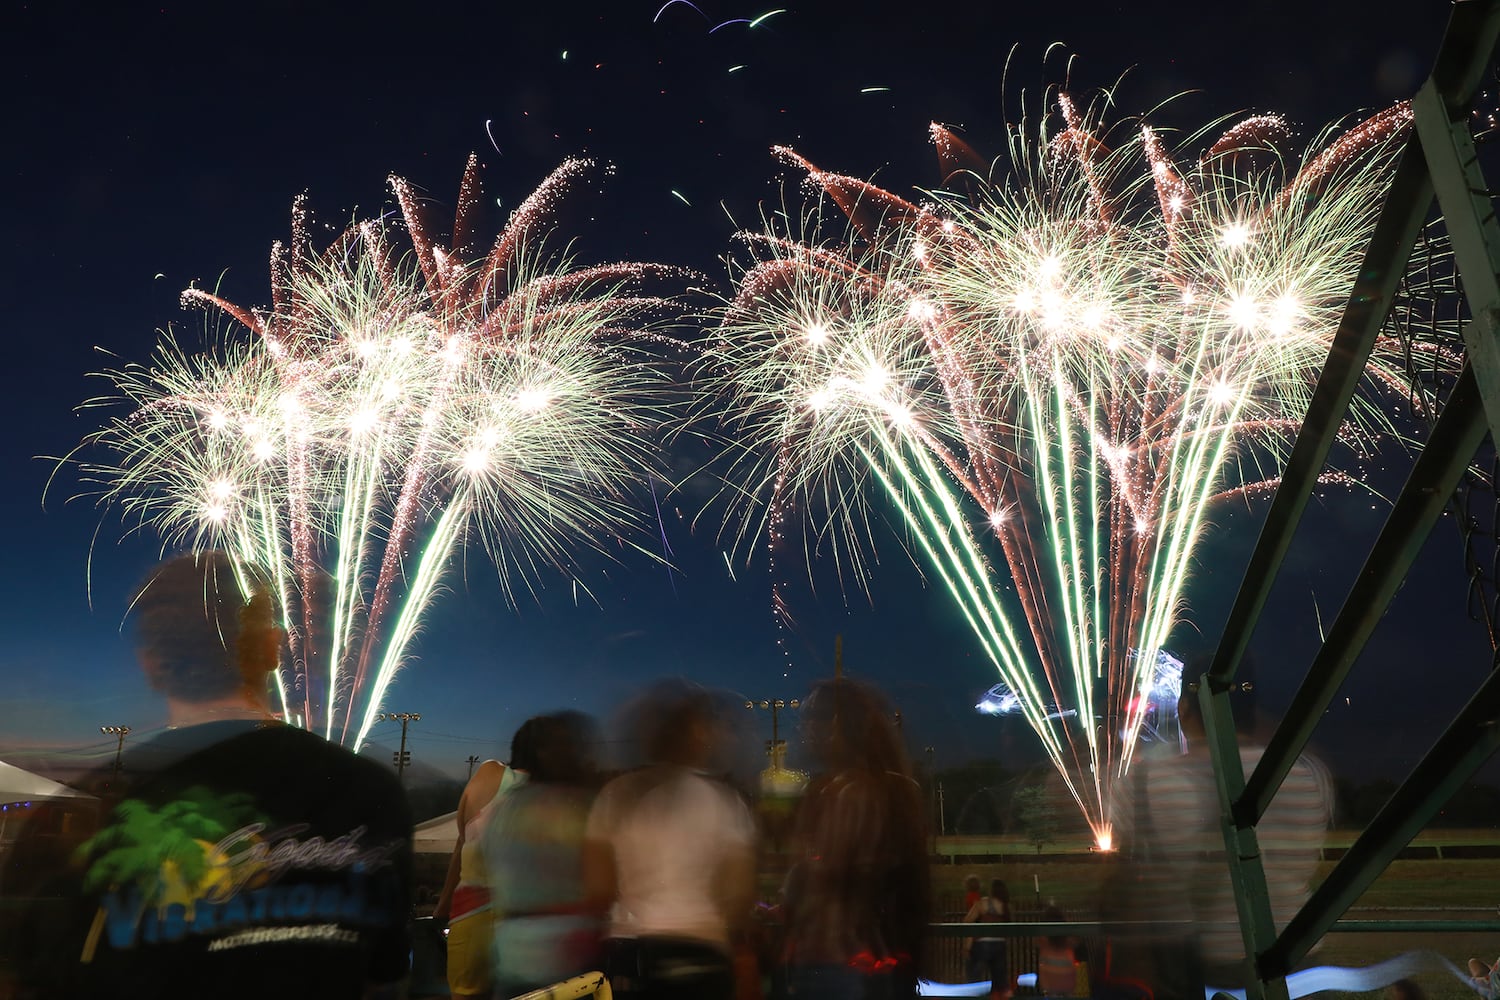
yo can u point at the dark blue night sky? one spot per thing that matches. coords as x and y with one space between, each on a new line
152 147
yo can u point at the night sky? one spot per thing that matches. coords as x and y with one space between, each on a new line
152 147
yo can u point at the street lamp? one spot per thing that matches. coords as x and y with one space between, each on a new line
402 756
121 732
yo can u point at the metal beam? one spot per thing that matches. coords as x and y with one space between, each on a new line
1247 874
1450 448
1384 263
1463 58
1469 215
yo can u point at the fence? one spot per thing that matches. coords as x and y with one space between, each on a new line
948 948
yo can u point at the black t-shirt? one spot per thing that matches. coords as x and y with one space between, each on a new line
233 860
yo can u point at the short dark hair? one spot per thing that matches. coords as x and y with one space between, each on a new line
564 744
523 746
190 617
668 729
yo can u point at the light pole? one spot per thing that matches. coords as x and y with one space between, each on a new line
402 756
933 815
121 732
776 748
471 762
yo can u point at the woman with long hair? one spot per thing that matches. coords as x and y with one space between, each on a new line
859 899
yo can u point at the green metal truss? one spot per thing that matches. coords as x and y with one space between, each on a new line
1439 162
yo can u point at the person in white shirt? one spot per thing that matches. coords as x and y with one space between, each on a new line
670 850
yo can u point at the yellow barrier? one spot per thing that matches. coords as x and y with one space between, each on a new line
593 984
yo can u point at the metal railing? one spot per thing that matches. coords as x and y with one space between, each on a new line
590 984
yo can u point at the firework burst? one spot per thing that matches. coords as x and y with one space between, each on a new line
1049 385
386 411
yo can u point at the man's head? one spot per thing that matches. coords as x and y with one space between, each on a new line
200 634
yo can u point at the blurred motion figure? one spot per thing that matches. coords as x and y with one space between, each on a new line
1173 855
988 956
671 851
859 897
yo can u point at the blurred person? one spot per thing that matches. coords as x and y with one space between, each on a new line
1174 843
670 849
464 905
238 857
859 898
545 930
1482 977
1405 989
1058 964
972 891
988 956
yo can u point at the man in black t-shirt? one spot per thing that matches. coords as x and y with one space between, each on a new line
236 856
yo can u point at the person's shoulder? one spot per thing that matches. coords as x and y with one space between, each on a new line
279 734
484 785
631 784
490 770
727 796
314 754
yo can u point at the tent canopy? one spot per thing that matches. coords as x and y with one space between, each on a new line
20 785
437 835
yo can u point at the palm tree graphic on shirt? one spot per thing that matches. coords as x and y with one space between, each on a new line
169 852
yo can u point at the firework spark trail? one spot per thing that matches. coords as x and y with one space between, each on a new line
1077 363
384 413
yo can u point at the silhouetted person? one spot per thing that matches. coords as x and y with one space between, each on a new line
238 857
858 900
671 852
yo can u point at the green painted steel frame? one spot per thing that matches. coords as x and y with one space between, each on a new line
1439 160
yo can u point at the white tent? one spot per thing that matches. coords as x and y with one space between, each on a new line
20 785
437 835
19 788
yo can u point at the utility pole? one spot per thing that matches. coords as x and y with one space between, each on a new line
471 762
121 732
402 757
